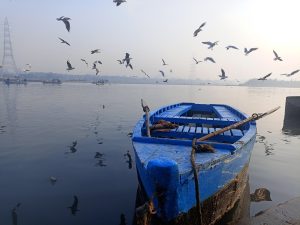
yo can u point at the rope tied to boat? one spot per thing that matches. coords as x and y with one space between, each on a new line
163 126
195 173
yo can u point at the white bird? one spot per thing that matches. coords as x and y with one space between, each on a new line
210 44
164 64
246 51
290 74
222 76
265 77
199 29
69 66
196 60
119 2
162 73
276 56
63 41
231 46
210 59
145 73
28 68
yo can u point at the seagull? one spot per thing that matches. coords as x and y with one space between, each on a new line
83 60
127 59
129 66
231 46
69 66
246 51
120 61
199 29
164 64
95 51
145 73
98 61
210 59
222 76
162 73
264 77
197 61
66 22
63 41
290 74
97 71
210 44
276 56
166 80
27 69
119 2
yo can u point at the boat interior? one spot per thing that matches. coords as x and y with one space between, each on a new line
198 120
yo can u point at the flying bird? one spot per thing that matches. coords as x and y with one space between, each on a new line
28 68
66 22
165 81
199 29
127 59
119 2
276 56
69 67
83 60
129 66
97 71
231 46
222 76
162 73
164 64
98 61
211 45
290 74
264 77
247 51
63 41
145 73
95 51
197 60
210 59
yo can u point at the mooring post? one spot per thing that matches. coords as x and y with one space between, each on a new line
146 110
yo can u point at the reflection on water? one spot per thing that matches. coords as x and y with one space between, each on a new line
74 207
39 123
260 194
14 214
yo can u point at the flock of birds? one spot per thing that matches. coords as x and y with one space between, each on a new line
247 51
127 59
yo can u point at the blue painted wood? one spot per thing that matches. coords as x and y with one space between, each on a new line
163 160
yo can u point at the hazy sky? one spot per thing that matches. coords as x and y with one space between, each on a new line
154 29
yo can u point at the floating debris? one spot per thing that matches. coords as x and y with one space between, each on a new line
260 194
53 180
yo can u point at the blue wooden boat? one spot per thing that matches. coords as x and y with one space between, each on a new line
163 160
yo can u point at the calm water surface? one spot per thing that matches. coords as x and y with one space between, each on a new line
39 122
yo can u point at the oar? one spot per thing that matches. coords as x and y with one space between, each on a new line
255 116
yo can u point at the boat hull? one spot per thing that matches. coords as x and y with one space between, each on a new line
177 193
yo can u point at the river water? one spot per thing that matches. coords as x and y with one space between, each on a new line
39 123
